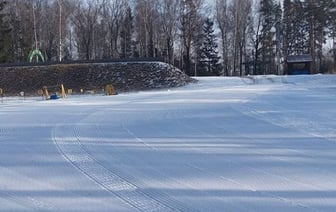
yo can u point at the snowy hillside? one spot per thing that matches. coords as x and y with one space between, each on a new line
124 76
223 144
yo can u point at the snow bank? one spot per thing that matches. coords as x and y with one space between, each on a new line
125 76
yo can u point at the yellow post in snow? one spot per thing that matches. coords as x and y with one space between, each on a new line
46 93
63 91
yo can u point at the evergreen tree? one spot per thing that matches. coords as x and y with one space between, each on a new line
296 29
209 59
288 18
278 38
267 35
332 32
318 13
6 53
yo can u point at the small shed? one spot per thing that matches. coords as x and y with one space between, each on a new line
299 64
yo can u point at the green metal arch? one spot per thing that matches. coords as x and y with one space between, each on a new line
34 53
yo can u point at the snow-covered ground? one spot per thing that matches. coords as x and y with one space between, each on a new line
223 144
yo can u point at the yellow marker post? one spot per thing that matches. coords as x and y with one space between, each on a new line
63 92
46 93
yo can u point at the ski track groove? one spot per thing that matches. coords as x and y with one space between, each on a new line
28 202
108 180
252 139
247 187
165 198
260 117
159 195
288 123
4 131
262 193
296 181
299 123
189 185
105 178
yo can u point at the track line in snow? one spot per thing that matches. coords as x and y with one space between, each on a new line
74 153
160 196
230 180
4 131
163 176
137 138
309 186
252 169
301 124
27 203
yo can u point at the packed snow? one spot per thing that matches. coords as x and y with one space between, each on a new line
264 143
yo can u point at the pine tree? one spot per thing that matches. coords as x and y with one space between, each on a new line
288 19
267 13
6 53
317 16
209 59
296 30
278 38
332 32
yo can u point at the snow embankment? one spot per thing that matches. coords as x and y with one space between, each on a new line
125 76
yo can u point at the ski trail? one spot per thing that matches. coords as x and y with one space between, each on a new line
187 166
210 174
73 152
5 131
251 171
161 196
28 203
282 119
260 171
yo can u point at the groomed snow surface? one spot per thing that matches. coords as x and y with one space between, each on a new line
266 143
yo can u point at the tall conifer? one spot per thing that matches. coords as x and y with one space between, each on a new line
209 59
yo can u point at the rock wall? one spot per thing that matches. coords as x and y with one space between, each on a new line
125 76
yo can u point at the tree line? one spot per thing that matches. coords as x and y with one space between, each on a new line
227 37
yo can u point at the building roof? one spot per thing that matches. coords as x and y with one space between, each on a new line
299 58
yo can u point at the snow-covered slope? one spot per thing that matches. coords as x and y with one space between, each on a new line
224 144
124 76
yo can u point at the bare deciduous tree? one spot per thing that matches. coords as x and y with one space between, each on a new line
147 27
85 21
223 22
240 15
112 16
190 20
168 21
